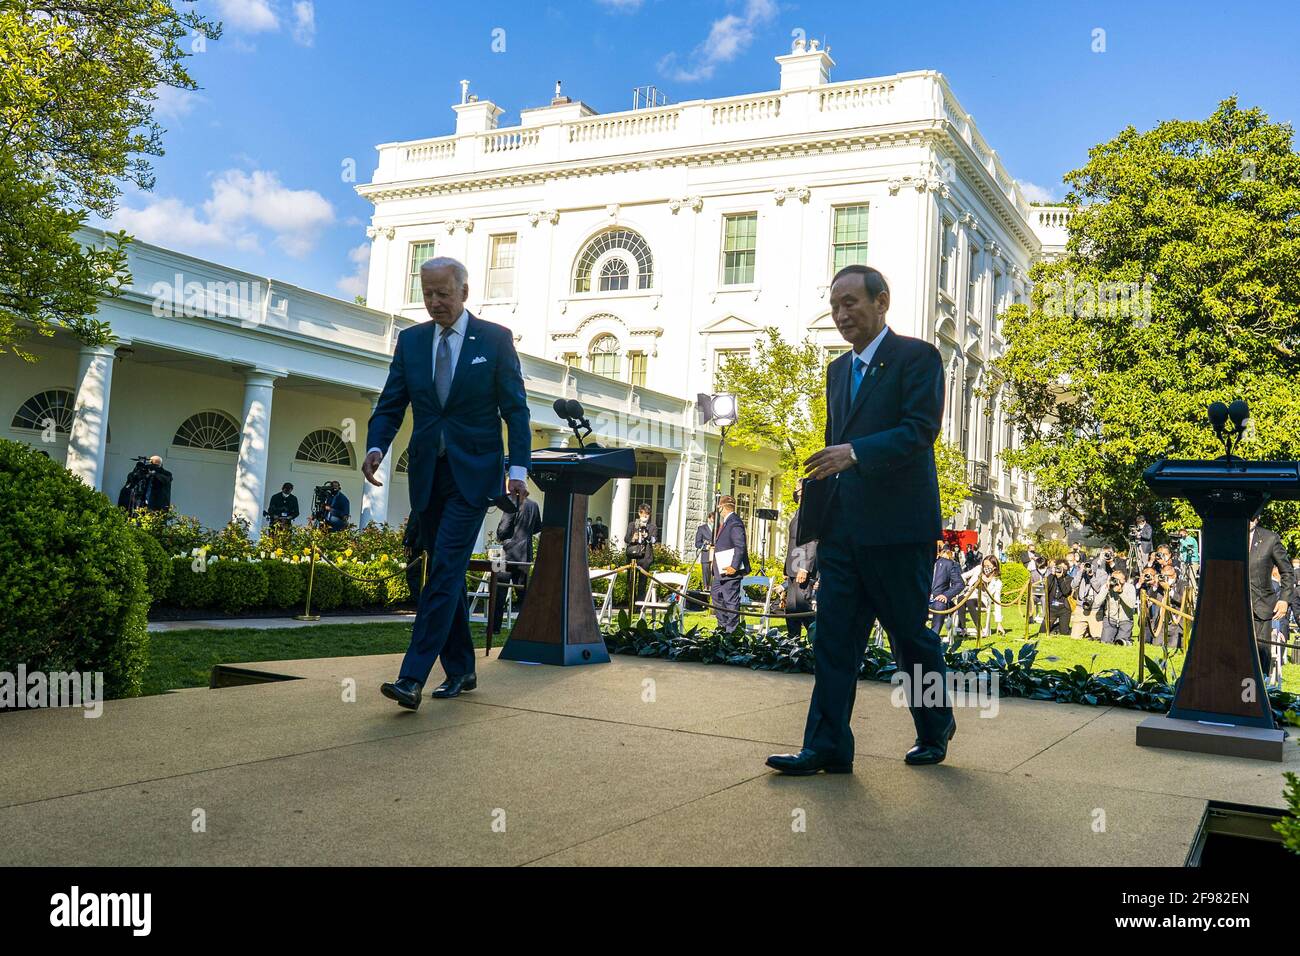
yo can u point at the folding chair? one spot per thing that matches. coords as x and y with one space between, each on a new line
480 595
669 582
746 600
603 601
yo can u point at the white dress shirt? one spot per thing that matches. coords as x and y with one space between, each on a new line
455 336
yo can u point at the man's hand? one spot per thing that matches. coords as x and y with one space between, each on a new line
371 465
518 488
728 570
829 461
801 577
941 598
1279 611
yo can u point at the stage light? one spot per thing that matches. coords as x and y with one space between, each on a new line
721 409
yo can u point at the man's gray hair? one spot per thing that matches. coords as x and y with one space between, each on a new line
446 262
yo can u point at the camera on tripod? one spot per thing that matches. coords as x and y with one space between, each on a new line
319 495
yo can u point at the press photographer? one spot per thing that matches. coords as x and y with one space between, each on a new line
330 507
283 508
148 487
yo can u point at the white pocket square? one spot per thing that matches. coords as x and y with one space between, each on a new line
477 360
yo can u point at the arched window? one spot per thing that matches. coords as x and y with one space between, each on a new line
614 256
604 355
213 430
614 275
404 463
55 405
325 446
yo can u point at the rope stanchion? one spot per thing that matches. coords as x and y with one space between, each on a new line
306 614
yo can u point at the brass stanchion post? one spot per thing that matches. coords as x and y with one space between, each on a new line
306 614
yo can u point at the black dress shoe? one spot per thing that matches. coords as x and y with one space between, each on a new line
453 686
404 690
807 762
924 753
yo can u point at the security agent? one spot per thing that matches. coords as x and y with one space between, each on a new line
284 506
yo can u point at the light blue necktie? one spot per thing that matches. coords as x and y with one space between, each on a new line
442 373
859 368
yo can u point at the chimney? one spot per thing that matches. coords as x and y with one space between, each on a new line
805 65
474 115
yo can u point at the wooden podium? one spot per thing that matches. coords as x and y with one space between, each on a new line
1220 705
557 622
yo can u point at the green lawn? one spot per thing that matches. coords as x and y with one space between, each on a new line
185 658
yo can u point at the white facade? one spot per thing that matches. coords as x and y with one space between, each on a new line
653 200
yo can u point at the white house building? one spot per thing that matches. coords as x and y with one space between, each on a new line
630 253
648 245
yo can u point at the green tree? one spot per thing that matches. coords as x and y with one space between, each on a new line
781 389
77 86
1178 287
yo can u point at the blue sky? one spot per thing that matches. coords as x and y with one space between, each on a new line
253 174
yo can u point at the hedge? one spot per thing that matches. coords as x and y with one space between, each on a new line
75 595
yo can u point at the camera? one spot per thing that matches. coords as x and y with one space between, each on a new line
319 495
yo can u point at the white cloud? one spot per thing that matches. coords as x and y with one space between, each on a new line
252 16
728 37
242 208
355 284
304 22
173 103
622 6
1036 193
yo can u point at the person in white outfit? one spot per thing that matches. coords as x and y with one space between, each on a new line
990 572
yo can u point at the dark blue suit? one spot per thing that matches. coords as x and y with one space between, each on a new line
876 536
947 582
725 589
452 492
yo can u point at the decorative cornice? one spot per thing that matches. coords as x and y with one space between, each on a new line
374 232
782 193
694 203
924 183
544 215
453 224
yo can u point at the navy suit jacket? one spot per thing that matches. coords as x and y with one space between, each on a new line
487 387
947 580
892 494
732 535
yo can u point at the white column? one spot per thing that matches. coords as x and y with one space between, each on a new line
89 439
254 447
674 500
374 501
618 510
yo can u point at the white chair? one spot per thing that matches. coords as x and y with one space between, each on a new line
480 595
668 582
745 600
602 600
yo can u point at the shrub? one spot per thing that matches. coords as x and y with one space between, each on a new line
1289 826
190 588
284 584
237 585
157 566
75 597
177 533
327 589
1014 577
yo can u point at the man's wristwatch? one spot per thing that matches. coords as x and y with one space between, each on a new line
853 454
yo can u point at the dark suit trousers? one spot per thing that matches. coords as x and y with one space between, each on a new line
450 526
861 584
513 576
725 594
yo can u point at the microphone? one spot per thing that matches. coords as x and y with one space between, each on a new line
1218 416
573 409
561 407
1239 411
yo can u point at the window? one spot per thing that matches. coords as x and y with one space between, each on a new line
973 284
501 267
572 359
744 488
999 296
636 367
56 406
947 249
420 252
648 488
604 356
614 275
739 248
835 351
626 245
849 237
404 463
325 447
216 431
722 356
